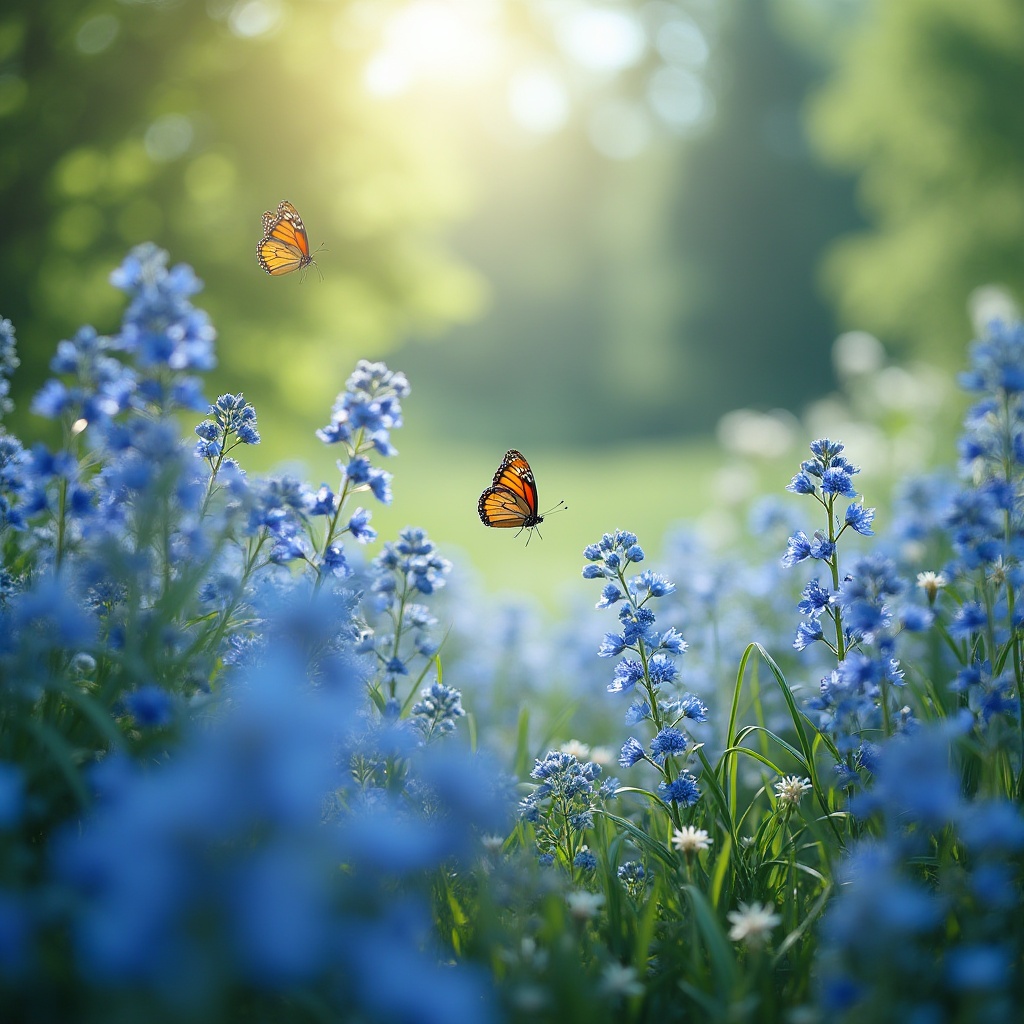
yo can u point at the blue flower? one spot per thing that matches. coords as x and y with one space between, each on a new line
632 751
825 450
436 711
997 360
801 484
816 599
638 625
637 711
970 618
798 547
821 546
585 860
837 480
671 642
860 518
325 502
633 876
654 584
692 707
609 595
627 674
612 645
661 670
683 789
150 706
668 742
359 526
807 633
9 362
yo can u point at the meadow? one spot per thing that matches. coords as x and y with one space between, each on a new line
259 763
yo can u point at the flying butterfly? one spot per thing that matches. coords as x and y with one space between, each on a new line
284 246
511 500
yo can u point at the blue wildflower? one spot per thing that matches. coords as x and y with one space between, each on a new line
150 706
637 711
801 484
860 519
9 362
585 860
692 707
436 711
632 751
668 742
628 673
816 599
683 789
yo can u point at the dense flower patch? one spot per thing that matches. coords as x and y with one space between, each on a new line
235 783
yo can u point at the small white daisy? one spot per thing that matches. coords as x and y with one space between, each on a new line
690 840
584 905
790 789
931 583
619 980
752 923
577 748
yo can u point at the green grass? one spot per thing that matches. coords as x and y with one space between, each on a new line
643 486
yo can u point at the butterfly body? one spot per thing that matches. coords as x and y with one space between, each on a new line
284 246
511 500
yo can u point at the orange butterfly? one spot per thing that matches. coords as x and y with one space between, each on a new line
284 246
511 500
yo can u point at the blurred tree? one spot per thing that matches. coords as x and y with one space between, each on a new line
926 107
649 296
127 120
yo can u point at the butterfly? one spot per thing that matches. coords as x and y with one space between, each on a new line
511 500
284 246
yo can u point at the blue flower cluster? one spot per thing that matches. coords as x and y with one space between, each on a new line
856 699
398 629
561 807
196 715
9 362
882 953
652 670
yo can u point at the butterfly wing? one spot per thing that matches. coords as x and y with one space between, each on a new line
285 245
511 500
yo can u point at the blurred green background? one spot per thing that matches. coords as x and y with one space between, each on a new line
589 230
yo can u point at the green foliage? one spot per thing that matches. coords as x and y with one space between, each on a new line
925 107
122 122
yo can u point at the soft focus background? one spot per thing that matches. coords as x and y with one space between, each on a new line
623 237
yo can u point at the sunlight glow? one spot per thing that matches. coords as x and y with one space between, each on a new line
251 18
679 98
602 38
538 100
440 40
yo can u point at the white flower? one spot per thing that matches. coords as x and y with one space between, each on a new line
691 840
790 789
492 844
931 583
619 980
577 748
752 924
584 905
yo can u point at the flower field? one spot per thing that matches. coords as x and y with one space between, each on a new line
259 765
